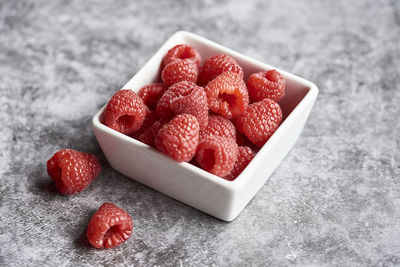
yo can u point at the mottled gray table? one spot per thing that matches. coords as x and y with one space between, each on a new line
334 200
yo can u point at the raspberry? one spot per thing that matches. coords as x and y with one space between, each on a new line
150 118
177 90
179 138
266 84
217 154
244 157
227 95
181 51
125 112
148 136
195 103
109 227
218 125
242 140
260 121
150 94
216 65
183 70
72 171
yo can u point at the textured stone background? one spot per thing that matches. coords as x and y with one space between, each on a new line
335 199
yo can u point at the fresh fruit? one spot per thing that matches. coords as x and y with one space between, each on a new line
109 227
266 84
180 52
244 157
215 65
227 95
260 121
177 90
218 125
125 112
217 154
179 138
148 136
150 94
194 103
183 70
72 171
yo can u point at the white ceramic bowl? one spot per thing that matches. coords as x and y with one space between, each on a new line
187 183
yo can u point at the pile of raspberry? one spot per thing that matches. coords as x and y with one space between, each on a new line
206 115
203 114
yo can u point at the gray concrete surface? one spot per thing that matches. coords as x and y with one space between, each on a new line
335 199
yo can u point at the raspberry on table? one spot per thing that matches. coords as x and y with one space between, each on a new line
194 103
215 65
125 112
218 125
179 138
109 227
217 154
266 84
150 94
227 95
260 121
180 52
180 89
244 157
72 171
183 70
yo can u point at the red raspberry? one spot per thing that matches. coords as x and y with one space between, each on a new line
179 52
72 171
217 154
260 121
216 65
179 138
151 93
109 227
148 136
195 103
125 112
227 95
183 70
242 140
244 157
218 125
177 90
150 118
266 84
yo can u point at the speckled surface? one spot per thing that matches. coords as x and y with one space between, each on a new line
334 200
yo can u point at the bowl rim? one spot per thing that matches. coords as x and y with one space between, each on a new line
240 180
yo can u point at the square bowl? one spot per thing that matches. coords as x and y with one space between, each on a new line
188 183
